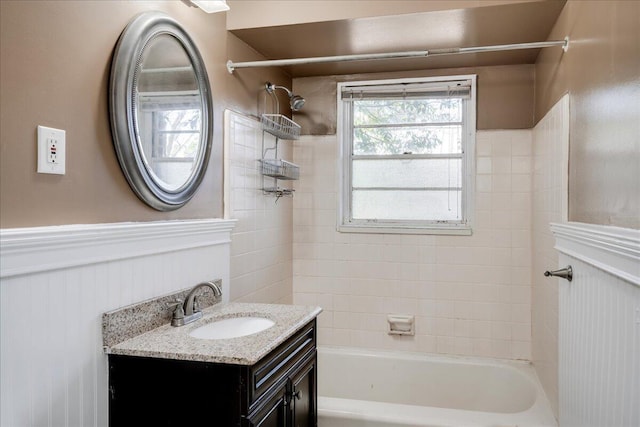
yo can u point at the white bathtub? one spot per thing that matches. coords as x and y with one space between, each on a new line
359 388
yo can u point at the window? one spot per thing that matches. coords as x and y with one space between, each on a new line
171 127
407 155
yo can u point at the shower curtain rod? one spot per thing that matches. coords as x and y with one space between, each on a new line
231 66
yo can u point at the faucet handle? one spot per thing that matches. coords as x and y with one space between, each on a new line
175 303
196 305
178 308
177 319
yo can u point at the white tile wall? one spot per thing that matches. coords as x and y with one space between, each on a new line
471 295
261 260
550 145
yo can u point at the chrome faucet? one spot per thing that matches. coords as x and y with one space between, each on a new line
188 312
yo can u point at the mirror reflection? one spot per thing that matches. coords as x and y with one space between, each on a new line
168 113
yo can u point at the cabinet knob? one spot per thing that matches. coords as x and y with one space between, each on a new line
297 394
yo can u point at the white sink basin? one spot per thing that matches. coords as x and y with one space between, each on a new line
233 327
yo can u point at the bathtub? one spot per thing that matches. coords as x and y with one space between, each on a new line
358 388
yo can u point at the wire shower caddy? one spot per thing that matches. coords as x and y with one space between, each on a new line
281 127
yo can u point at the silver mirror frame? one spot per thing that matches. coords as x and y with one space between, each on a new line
122 110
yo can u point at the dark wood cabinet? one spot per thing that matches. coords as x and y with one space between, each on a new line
292 405
303 396
278 391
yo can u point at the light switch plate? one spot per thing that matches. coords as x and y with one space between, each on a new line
51 150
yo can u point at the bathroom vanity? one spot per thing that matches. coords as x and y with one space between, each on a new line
165 377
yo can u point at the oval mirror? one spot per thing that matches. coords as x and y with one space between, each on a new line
161 111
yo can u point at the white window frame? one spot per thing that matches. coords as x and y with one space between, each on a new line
345 142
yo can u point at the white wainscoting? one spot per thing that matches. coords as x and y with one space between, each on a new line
599 336
55 284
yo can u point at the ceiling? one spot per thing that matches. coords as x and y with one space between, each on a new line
476 26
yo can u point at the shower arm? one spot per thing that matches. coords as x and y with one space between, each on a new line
271 89
231 66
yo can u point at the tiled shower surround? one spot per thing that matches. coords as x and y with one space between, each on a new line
261 239
549 197
471 295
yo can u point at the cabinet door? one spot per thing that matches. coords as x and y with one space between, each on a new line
278 365
272 413
303 395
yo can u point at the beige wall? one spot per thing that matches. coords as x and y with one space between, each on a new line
601 72
505 96
54 70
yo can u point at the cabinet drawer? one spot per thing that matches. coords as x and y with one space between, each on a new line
275 367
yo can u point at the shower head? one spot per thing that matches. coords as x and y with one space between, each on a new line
295 101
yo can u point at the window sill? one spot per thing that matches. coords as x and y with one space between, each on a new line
381 229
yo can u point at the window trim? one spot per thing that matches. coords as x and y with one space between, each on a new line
344 135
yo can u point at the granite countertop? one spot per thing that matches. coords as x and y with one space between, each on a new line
170 342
